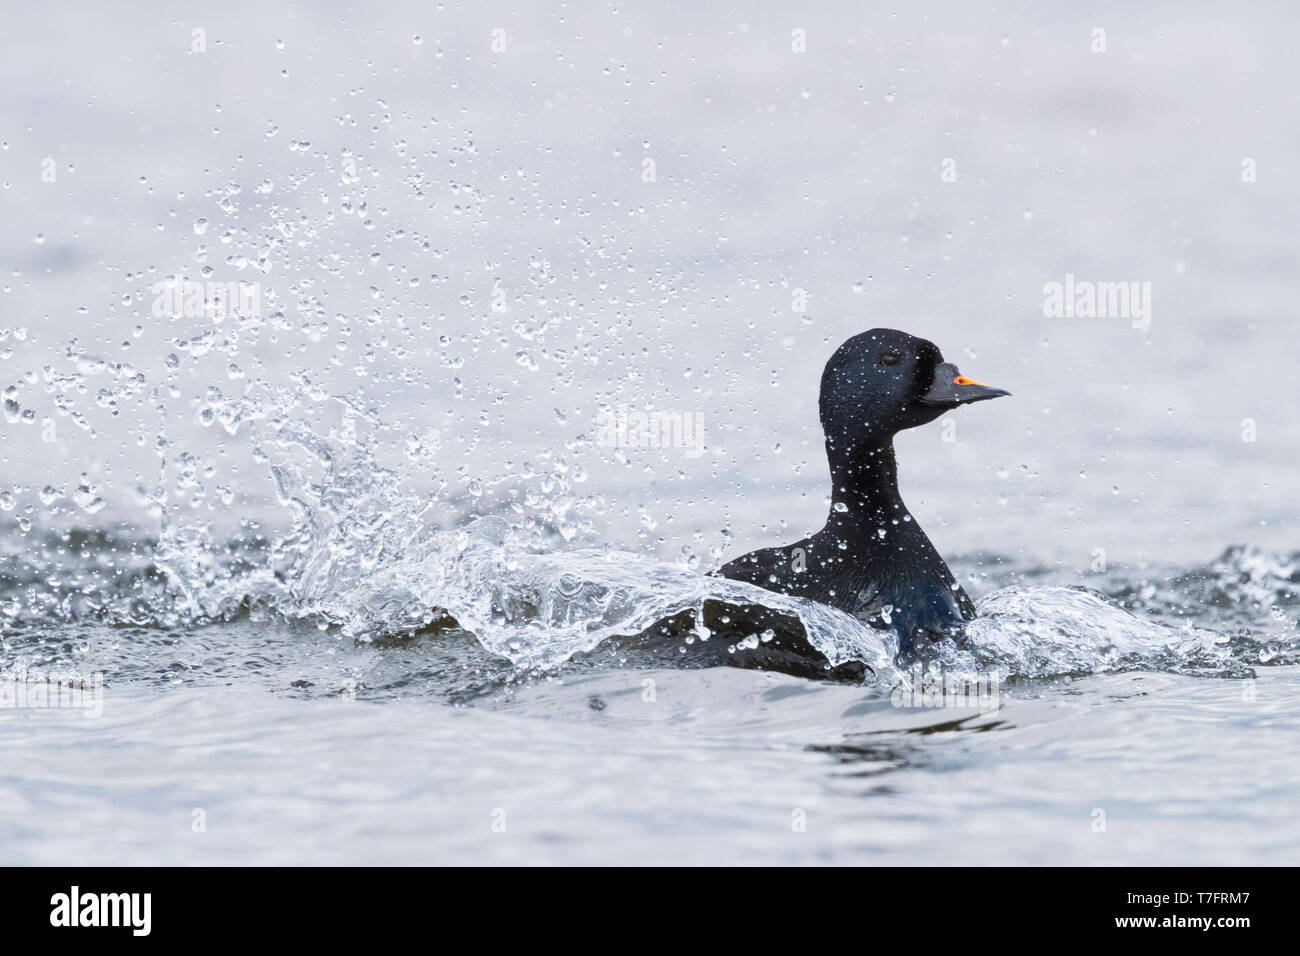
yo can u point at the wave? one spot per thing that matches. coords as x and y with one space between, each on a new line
362 560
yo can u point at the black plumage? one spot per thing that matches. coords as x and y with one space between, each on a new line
872 559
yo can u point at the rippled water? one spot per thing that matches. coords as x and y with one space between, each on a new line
350 569
298 742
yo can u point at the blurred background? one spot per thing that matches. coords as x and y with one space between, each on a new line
480 227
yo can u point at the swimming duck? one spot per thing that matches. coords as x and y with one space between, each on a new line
872 559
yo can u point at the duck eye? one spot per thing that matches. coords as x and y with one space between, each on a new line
888 358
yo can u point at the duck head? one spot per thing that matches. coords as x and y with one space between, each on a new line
882 381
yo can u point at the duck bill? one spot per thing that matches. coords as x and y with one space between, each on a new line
951 388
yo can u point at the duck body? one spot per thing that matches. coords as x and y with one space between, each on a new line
883 571
872 559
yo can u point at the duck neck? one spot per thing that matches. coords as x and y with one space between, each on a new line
864 484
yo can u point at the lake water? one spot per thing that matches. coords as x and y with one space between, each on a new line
314 324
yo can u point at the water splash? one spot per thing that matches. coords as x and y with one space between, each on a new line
371 553
1047 631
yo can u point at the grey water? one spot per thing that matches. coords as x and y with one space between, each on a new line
369 373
